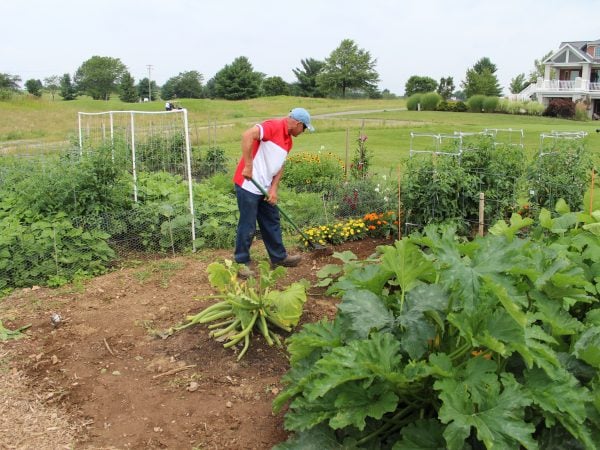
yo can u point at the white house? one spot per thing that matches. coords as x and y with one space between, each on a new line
572 71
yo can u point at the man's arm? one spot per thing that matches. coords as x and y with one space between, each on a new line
248 137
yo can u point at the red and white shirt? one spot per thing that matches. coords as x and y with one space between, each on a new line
268 155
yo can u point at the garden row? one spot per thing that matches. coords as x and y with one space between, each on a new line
73 215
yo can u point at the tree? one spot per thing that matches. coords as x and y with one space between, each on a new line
237 81
147 90
518 83
272 86
446 87
348 67
34 87
481 79
9 82
52 84
416 84
307 78
538 71
67 89
127 90
99 76
185 85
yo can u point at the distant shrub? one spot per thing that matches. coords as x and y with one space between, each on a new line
490 104
430 100
560 107
581 111
451 106
531 108
413 101
461 106
475 103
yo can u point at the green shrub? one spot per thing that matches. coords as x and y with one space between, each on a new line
460 106
412 103
475 103
430 101
453 106
34 251
490 104
313 172
443 106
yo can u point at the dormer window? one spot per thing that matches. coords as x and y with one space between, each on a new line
597 52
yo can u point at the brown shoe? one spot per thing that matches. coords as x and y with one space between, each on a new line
289 261
245 272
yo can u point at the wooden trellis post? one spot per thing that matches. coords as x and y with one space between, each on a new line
399 205
592 193
481 212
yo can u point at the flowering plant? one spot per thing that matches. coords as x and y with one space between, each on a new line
381 224
350 230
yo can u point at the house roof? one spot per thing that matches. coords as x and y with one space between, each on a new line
566 49
582 46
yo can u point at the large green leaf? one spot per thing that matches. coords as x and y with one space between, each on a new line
497 419
362 311
587 347
416 327
493 257
318 438
561 398
219 275
286 306
423 434
355 403
378 356
407 262
318 336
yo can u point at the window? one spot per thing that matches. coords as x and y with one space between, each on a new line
597 52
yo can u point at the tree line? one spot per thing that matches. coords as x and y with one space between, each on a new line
348 71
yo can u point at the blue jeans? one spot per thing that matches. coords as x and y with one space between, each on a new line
254 208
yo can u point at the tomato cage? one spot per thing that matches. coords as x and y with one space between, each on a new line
144 141
555 140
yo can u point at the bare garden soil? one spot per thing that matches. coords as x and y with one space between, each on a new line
104 378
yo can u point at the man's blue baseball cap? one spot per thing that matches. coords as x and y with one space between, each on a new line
302 115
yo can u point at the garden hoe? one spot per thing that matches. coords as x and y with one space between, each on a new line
320 249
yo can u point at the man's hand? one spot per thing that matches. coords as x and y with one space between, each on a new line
247 172
272 197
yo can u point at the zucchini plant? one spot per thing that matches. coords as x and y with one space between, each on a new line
248 305
455 344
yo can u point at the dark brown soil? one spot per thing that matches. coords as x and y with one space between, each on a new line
124 387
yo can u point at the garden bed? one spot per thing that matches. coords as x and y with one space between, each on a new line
105 374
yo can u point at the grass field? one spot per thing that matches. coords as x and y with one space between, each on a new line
387 125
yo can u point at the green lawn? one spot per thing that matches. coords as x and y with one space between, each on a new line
388 131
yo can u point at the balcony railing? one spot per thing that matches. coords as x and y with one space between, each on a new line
578 84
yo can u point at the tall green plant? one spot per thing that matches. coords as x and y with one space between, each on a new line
361 162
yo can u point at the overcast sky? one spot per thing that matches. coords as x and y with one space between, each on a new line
435 38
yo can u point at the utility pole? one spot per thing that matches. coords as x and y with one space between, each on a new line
149 82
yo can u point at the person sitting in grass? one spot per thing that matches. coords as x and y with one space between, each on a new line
265 147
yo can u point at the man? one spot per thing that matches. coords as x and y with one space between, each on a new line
265 148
